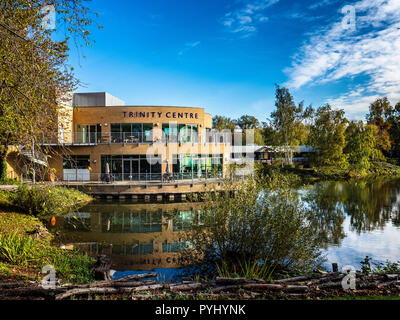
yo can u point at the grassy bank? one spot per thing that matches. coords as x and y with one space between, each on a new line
25 242
325 173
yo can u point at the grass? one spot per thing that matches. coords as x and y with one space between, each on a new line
250 270
23 252
46 200
23 256
377 169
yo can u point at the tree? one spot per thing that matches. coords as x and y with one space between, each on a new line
221 123
394 119
379 113
264 220
286 118
34 76
327 136
247 122
360 145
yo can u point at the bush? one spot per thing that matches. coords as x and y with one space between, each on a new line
264 220
47 200
70 266
17 250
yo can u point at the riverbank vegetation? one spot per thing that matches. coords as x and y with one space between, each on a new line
25 243
46 200
256 226
342 148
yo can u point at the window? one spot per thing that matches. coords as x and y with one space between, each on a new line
131 132
187 166
88 133
183 133
76 162
132 167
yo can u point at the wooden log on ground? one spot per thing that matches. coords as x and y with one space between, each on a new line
188 286
224 288
110 282
263 286
298 279
220 280
116 284
80 291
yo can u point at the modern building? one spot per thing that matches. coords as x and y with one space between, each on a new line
268 154
100 138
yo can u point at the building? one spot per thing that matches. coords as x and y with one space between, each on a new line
267 154
100 138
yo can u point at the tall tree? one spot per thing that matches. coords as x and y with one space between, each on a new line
394 119
360 145
34 74
221 123
327 136
379 113
247 122
286 118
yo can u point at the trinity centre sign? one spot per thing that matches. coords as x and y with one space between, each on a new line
157 114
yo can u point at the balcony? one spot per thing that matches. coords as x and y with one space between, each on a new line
146 137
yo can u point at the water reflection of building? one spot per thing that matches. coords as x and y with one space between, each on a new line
135 236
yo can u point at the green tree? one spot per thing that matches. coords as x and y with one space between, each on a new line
247 122
379 113
35 78
394 119
327 136
265 220
286 118
221 123
360 145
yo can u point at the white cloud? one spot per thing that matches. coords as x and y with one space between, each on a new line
322 3
188 46
245 19
333 54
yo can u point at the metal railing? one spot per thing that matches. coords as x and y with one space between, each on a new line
140 177
79 138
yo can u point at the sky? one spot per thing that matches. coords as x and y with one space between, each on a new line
227 56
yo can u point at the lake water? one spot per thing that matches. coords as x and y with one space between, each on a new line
353 220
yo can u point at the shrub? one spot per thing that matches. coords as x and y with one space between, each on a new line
264 220
16 249
40 200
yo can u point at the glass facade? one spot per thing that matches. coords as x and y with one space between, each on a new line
76 162
131 132
188 166
182 133
132 167
88 133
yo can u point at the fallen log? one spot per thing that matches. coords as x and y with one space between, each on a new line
263 286
116 284
188 286
220 280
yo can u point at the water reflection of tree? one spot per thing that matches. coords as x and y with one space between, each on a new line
370 205
326 214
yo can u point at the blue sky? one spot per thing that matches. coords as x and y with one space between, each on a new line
226 56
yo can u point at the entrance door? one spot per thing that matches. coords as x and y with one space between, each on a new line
196 168
131 169
127 171
135 169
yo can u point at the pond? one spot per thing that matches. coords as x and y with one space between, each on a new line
352 220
